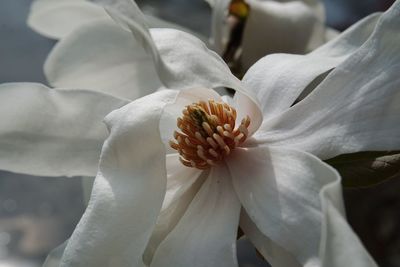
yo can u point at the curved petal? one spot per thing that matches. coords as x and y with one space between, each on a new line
182 185
280 27
285 199
128 190
101 56
56 19
182 60
51 132
355 108
273 253
206 234
278 79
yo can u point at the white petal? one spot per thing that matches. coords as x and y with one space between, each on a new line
128 190
206 234
188 62
56 19
281 191
276 27
273 253
51 132
356 107
278 79
179 179
101 56
182 185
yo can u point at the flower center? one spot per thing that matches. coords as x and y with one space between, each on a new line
208 133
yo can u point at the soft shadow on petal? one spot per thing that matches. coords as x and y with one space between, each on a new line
277 80
183 183
206 234
51 132
128 190
280 191
56 19
101 56
355 108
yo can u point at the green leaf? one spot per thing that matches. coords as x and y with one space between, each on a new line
366 169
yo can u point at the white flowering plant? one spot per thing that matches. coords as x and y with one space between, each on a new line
183 168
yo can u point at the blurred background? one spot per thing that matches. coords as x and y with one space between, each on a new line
39 213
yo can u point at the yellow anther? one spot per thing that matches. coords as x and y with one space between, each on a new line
208 133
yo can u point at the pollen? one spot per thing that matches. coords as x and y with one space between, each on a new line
208 134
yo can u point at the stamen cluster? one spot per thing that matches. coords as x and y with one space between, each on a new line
208 133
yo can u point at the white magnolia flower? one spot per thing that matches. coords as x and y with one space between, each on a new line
81 57
267 176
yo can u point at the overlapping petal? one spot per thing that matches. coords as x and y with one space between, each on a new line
128 191
182 185
52 132
279 79
355 108
280 190
206 234
101 56
198 67
56 18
